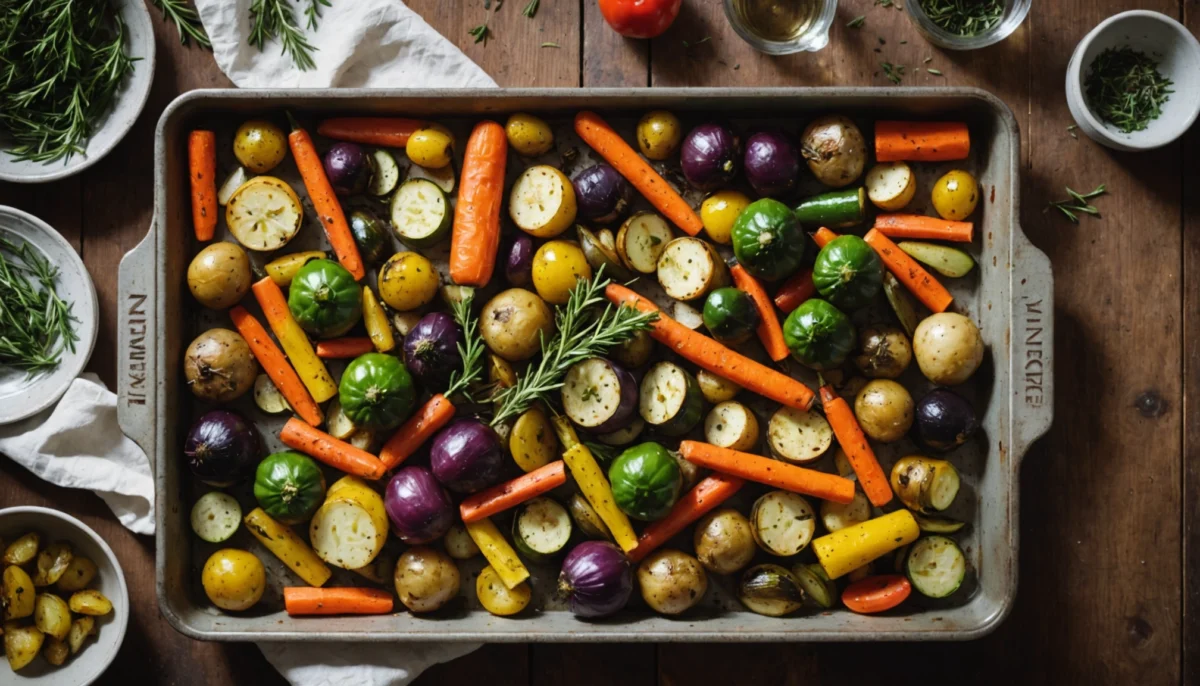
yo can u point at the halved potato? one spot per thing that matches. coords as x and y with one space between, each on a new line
690 267
79 574
264 213
22 550
18 593
798 436
783 523
891 185
90 602
81 628
641 241
542 201
731 425
268 397
51 615
21 644
52 563
337 423
55 651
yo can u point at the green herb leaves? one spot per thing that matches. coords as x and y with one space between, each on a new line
36 325
61 64
1125 89
470 349
893 72
186 21
1078 204
964 17
270 19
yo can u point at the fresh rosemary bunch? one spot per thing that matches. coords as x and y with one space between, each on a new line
581 334
186 21
1078 203
1125 89
61 63
470 350
964 17
271 19
35 323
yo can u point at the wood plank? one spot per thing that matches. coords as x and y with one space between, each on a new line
1191 390
588 664
609 59
513 55
501 664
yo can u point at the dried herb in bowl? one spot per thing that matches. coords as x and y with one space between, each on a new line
964 17
1124 88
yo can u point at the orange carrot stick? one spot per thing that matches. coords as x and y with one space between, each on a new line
202 170
914 226
476 234
392 132
608 143
823 237
921 141
908 272
769 330
706 495
854 444
305 600
337 454
795 291
344 348
509 494
764 470
276 366
432 416
716 358
325 201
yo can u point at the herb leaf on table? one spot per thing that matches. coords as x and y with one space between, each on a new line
1078 204
186 21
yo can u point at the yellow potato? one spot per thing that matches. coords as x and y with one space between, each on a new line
90 602
948 348
425 579
21 644
956 195
513 323
52 616
81 628
532 442
557 266
658 134
431 146
408 281
55 651
22 550
52 563
719 211
233 579
78 575
499 599
18 593
259 145
219 275
529 135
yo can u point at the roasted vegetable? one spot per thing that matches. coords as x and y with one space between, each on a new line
407 281
52 563
528 135
599 395
730 315
944 420
767 240
264 214
557 266
948 347
259 145
891 185
18 593
542 202
723 541
426 579
233 579
710 156
23 550
21 644
349 529
79 574
848 273
772 164
466 456
658 134
419 508
670 400
819 335
955 195
782 523
222 448
770 590
215 517
596 579
884 352
514 323
599 255
289 486
431 146
219 366
532 443
219 275
325 299
81 628
370 235
884 410
376 391
348 167
541 529
671 581
602 194
431 350
642 240
645 481
499 599
420 213
731 425
719 211
834 149
291 550
835 209
942 259
924 484
838 516
459 544
848 549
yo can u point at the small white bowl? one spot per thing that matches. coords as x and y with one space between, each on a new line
1178 53
97 652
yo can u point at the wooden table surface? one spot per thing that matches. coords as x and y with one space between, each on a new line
1110 517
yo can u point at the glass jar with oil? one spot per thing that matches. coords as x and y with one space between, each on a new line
780 27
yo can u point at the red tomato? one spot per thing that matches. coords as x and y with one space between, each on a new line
876 593
640 18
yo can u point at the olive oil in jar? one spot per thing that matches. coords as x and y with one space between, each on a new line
777 20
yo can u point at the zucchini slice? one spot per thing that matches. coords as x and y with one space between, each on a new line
641 241
837 516
670 399
783 523
798 436
386 176
938 525
936 566
541 528
818 589
891 185
689 267
264 213
542 201
216 516
731 425
624 436
420 213
594 394
444 177
942 259
267 396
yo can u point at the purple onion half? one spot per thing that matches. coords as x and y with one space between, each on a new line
518 268
602 194
596 578
431 350
222 448
772 163
709 156
466 456
419 508
348 168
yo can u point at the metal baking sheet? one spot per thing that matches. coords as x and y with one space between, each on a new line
1010 296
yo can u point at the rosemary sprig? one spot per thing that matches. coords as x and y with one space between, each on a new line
61 64
270 19
1125 89
531 9
36 325
186 21
893 72
470 349
581 334
964 17
857 22
1078 204
313 12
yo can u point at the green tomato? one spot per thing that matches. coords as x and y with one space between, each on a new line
376 391
848 273
325 299
768 241
819 335
645 481
289 487
730 315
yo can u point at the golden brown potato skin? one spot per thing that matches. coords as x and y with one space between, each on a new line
219 275
723 541
885 352
233 580
671 581
426 579
948 347
834 149
884 410
513 322
219 366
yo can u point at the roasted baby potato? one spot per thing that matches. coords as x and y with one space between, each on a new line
81 628
671 581
22 550
90 602
219 275
52 563
513 323
232 579
21 644
51 615
78 575
426 579
18 593
55 651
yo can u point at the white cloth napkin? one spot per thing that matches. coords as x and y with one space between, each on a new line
361 44
78 444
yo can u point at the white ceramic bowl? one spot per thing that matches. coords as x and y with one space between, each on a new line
1156 35
98 652
139 37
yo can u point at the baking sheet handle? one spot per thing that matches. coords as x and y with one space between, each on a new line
137 343
1032 343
